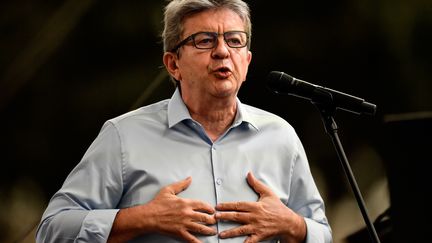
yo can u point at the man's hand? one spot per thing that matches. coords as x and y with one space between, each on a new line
166 214
177 216
264 219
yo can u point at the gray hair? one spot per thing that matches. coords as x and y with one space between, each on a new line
177 10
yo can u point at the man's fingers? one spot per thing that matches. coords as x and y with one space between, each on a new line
179 186
257 185
201 229
252 239
189 237
204 218
202 207
239 231
233 216
236 206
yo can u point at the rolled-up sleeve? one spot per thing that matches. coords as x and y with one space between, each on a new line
84 209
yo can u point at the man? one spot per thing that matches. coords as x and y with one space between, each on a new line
200 167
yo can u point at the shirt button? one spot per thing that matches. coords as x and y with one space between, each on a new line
219 181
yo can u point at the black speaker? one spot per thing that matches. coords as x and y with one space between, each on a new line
406 149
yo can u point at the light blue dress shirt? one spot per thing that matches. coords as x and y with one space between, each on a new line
138 153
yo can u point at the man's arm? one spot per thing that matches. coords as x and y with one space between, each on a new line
85 207
264 219
269 218
165 214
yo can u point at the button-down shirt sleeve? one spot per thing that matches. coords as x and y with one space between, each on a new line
83 210
306 200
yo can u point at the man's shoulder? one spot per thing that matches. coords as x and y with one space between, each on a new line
258 113
265 118
154 112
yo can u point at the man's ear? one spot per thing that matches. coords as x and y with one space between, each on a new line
170 61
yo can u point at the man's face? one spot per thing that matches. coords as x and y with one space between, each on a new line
212 73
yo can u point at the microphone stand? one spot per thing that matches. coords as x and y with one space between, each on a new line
327 110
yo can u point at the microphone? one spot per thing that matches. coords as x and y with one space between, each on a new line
282 83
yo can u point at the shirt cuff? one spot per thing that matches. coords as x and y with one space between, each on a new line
316 232
96 226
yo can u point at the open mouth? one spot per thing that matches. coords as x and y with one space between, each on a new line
222 72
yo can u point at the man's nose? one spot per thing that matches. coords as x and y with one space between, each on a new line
221 50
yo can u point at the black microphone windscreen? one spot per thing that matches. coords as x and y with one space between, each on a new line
279 82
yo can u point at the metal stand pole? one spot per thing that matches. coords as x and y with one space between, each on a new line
327 114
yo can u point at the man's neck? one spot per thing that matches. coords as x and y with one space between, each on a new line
215 116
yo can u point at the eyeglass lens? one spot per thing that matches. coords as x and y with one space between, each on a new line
208 40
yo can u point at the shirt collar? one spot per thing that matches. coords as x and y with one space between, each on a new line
177 112
243 116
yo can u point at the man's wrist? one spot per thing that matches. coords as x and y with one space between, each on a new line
130 223
297 231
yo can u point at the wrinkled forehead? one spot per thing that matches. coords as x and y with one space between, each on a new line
212 20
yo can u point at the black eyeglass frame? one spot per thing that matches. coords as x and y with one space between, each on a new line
214 34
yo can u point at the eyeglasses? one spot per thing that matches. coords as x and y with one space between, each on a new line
209 40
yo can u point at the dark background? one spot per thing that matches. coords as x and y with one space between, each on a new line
67 66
